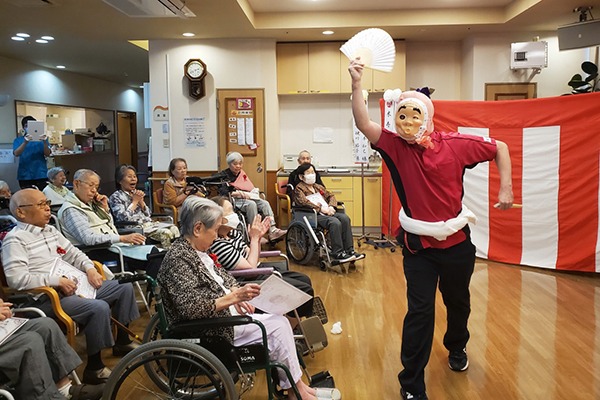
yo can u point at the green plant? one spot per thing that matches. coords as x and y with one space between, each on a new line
590 83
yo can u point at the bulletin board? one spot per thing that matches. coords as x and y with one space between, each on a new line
241 125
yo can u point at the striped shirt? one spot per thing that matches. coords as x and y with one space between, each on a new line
29 252
230 250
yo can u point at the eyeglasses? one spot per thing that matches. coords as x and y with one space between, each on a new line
91 185
41 205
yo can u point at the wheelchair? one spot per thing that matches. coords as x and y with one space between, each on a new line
179 362
306 240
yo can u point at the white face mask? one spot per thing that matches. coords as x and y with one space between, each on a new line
233 221
310 178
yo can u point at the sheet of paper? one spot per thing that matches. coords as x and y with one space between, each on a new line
323 135
278 297
249 130
10 326
64 269
317 198
241 132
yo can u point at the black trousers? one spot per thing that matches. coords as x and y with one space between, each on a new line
450 269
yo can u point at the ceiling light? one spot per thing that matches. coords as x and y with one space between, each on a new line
24 35
47 37
188 34
41 41
17 38
61 67
328 32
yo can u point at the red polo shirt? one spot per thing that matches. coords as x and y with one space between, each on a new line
429 182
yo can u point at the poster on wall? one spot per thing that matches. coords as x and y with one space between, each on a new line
194 129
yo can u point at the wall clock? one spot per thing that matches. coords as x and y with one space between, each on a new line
195 71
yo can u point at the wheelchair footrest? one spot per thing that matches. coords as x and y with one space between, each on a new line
314 333
322 379
319 310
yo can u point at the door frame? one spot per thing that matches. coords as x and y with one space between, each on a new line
510 91
254 165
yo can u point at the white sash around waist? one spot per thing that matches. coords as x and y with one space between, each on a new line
439 230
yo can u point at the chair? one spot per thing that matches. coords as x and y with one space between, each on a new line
157 201
183 363
284 203
65 321
305 239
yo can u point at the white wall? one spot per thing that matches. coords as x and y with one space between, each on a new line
486 59
457 70
231 64
28 82
436 65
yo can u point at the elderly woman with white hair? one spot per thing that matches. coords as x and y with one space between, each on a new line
56 191
194 286
246 195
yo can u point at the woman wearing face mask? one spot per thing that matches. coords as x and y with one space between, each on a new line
310 194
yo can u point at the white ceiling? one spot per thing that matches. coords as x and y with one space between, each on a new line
91 36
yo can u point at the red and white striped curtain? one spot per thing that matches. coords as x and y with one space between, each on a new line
555 151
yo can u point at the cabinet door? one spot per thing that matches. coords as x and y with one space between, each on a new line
372 201
397 77
346 81
292 68
323 67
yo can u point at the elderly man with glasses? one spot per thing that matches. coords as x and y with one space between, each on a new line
29 252
85 215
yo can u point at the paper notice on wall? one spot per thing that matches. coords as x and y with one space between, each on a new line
241 132
249 130
361 143
6 156
322 135
194 130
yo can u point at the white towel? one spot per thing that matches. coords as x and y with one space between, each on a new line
439 230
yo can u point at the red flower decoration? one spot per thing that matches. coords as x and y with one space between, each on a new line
215 260
322 192
60 250
245 177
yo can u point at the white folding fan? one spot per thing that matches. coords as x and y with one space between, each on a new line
374 46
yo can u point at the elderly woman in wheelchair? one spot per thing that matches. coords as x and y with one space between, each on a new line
195 287
311 195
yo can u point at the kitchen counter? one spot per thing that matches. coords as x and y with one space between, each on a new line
339 172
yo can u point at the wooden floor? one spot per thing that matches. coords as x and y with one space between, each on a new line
535 334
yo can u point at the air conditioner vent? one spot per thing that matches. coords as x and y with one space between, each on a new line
151 8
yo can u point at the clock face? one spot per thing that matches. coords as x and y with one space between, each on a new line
195 69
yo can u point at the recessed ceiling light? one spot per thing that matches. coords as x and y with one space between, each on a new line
188 34
42 41
61 67
327 32
17 38
25 35
47 38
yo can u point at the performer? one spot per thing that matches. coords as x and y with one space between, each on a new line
427 169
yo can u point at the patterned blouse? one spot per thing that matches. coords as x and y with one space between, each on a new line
189 290
119 203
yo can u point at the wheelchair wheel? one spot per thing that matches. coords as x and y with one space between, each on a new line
188 371
299 245
152 333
